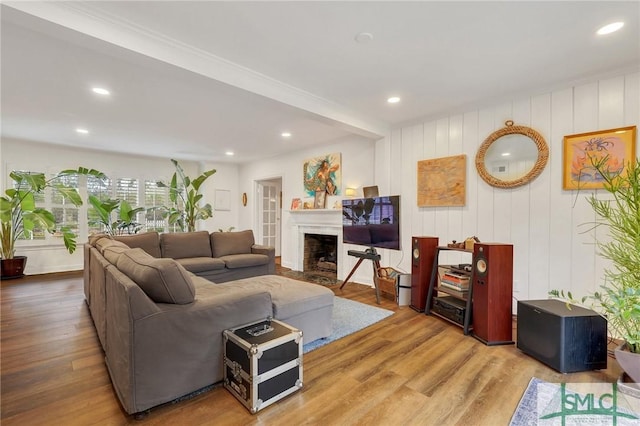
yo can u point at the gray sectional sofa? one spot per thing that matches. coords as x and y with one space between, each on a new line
160 322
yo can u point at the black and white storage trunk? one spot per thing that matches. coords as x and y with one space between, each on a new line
262 362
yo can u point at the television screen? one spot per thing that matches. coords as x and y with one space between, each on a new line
372 222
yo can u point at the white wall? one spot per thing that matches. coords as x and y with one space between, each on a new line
51 256
540 219
357 171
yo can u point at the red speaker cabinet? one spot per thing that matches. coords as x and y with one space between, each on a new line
492 293
423 253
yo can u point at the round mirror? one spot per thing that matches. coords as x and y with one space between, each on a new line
512 156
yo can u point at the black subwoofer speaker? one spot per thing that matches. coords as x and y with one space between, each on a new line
567 340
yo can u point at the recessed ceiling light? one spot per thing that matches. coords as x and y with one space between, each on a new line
393 100
100 91
82 131
610 28
363 37
285 134
506 154
229 153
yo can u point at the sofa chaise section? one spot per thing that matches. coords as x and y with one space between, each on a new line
157 352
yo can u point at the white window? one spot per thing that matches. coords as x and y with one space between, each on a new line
155 201
65 212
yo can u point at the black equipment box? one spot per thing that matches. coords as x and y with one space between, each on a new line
567 339
450 308
262 362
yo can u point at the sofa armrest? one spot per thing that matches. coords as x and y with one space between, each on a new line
270 252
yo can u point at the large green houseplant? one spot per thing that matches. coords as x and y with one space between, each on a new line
20 216
185 197
619 297
102 213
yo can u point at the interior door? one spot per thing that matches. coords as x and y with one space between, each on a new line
269 213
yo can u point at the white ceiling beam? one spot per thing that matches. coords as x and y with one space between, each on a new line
79 17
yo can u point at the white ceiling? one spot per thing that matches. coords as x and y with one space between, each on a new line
191 80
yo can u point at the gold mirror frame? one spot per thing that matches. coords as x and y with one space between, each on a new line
510 129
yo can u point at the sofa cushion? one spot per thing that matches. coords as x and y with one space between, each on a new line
201 264
147 241
179 245
289 297
110 249
234 261
163 280
224 243
93 238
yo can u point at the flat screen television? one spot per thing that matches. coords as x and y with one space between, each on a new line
372 222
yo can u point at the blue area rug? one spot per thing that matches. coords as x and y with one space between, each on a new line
550 404
349 317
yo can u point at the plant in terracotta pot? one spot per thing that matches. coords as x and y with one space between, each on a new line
185 195
619 298
20 216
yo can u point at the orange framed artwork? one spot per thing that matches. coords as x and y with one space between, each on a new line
583 150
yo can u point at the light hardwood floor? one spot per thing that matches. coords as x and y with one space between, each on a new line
407 369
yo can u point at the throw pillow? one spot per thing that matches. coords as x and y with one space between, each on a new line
163 280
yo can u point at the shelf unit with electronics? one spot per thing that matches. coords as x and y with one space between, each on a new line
478 297
452 301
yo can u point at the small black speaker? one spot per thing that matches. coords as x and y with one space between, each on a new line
567 340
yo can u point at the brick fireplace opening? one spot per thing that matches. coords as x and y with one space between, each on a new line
321 255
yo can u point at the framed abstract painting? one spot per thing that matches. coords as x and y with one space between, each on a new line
613 149
442 182
323 174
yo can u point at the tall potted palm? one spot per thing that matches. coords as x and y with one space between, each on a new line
20 216
619 298
185 196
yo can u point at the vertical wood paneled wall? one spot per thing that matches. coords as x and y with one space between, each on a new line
544 222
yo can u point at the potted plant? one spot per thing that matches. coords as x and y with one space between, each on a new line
125 223
185 195
20 216
619 298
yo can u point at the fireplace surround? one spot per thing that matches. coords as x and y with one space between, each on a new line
319 222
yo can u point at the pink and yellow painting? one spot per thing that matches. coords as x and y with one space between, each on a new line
614 149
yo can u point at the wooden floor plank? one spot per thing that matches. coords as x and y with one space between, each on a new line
407 369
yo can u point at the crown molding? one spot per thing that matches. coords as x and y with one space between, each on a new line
87 19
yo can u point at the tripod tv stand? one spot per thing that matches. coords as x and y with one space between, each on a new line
368 254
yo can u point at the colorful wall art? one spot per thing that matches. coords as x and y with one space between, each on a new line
614 148
323 174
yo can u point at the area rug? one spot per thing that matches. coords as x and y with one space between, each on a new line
348 317
311 277
545 403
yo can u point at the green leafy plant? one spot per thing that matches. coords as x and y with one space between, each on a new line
185 196
619 298
126 215
20 215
